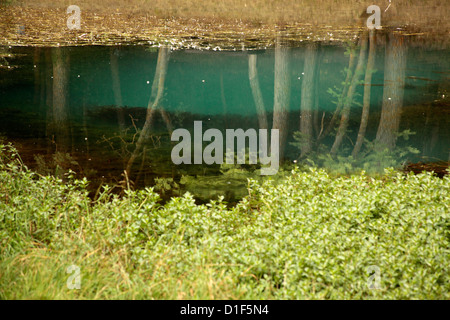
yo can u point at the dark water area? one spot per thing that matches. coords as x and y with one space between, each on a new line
88 109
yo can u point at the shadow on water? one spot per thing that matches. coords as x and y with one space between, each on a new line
108 112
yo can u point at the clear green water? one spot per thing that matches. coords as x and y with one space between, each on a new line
200 85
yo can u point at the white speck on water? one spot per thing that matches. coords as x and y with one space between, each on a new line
34 66
303 73
203 80
148 82
85 138
298 78
209 118
78 76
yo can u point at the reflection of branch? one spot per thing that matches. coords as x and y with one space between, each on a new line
153 104
321 124
349 99
340 103
166 119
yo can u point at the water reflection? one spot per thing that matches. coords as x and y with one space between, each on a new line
108 112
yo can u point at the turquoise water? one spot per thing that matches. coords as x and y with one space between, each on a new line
210 86
194 78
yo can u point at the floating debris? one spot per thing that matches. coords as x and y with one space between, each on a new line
47 27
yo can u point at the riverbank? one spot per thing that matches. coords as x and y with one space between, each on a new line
224 25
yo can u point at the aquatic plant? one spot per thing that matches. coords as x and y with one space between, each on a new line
373 159
310 236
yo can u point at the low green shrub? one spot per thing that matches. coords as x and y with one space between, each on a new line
309 236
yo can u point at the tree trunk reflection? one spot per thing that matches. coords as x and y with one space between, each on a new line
153 105
394 82
281 93
307 102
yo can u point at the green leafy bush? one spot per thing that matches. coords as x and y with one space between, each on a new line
309 236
